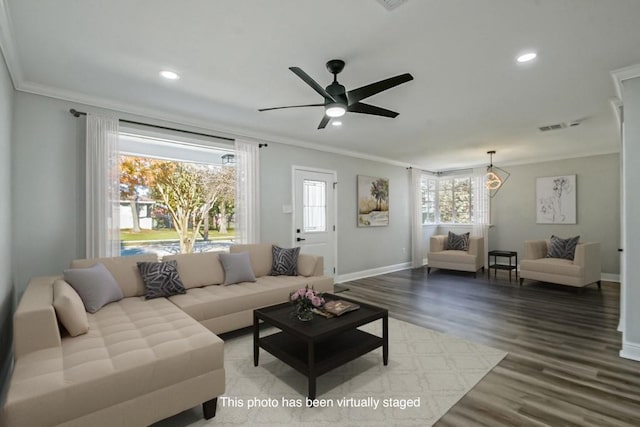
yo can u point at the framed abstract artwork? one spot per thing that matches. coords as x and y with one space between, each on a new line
373 201
556 199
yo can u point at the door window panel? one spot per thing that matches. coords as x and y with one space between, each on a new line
314 206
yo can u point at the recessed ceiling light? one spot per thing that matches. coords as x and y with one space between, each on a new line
526 57
336 123
169 75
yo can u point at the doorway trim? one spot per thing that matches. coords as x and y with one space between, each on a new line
334 174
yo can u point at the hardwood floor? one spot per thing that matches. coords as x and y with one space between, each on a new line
563 367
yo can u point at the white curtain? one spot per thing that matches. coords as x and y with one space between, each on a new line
247 207
481 210
416 219
102 187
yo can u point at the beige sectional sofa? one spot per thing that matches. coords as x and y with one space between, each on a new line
141 360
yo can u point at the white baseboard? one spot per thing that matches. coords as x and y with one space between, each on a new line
609 277
630 351
341 278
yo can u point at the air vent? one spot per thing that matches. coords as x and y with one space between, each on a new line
391 4
552 127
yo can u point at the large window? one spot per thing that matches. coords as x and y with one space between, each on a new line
176 196
447 200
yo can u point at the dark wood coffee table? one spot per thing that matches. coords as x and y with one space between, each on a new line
322 344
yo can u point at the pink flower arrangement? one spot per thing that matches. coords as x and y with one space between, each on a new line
306 299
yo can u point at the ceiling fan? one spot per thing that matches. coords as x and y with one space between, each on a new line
337 101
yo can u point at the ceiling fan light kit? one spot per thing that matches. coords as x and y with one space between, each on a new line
335 110
338 101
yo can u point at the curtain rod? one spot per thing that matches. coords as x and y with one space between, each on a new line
454 172
422 170
76 113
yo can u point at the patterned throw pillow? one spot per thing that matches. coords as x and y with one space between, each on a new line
160 279
285 261
563 248
457 242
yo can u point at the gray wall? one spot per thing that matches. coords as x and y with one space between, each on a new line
631 176
49 208
359 249
6 282
48 196
598 206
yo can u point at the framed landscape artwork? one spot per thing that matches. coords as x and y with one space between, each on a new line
556 200
373 201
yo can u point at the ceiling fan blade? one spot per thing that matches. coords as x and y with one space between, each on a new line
360 107
324 121
363 92
291 106
308 80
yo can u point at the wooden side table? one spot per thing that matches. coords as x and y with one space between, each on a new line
502 266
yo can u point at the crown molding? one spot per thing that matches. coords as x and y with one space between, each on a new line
616 105
623 74
7 45
176 119
194 124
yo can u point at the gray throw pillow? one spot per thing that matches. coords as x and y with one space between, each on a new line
237 268
285 261
457 242
161 279
95 285
563 248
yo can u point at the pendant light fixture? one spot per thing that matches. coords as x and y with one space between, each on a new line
496 176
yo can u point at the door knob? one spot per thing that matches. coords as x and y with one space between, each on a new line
300 239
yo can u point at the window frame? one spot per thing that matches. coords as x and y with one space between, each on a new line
437 204
436 217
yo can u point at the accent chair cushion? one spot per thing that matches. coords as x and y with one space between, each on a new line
95 285
237 268
161 279
562 248
69 309
457 242
285 261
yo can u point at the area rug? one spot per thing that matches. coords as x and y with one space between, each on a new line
428 372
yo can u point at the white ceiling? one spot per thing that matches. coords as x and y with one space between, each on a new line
469 95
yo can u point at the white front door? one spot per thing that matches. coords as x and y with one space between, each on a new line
314 207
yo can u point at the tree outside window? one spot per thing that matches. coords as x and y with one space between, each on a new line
455 200
190 198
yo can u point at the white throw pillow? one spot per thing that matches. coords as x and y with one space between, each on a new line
69 309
